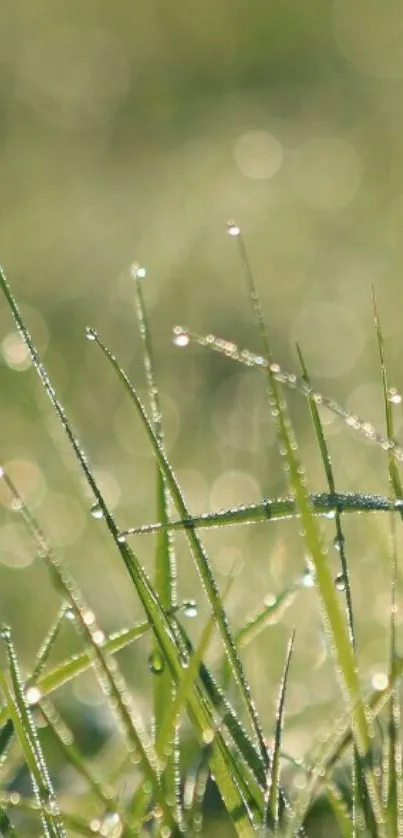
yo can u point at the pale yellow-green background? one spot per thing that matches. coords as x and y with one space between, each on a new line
133 131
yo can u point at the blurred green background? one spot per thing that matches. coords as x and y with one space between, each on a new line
133 131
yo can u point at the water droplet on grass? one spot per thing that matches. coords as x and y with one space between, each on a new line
180 336
121 538
330 514
338 543
190 608
307 580
138 271
156 662
96 511
393 396
90 334
380 681
340 582
232 228
32 696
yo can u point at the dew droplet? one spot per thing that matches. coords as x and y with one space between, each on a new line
330 514
340 582
307 579
180 336
393 396
1 472
190 608
69 614
96 511
232 228
32 696
380 681
121 538
90 334
138 271
156 662
338 543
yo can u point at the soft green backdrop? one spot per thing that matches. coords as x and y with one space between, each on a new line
133 131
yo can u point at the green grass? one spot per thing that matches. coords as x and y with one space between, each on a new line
244 761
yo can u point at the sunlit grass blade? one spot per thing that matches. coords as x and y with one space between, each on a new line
343 579
165 563
343 815
340 642
23 805
270 614
65 742
199 553
393 767
276 509
156 615
42 656
194 790
20 715
272 795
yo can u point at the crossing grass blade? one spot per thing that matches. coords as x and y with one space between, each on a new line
276 509
340 642
200 712
21 717
393 767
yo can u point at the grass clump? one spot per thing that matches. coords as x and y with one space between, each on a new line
235 753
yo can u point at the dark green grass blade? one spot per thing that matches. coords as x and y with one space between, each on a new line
393 793
165 563
272 796
156 616
199 553
276 509
335 627
24 726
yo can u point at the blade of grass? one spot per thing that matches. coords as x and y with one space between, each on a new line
276 509
273 780
165 562
200 556
340 642
393 799
159 621
24 727
230 350
358 785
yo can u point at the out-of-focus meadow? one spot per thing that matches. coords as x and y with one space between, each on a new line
133 131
